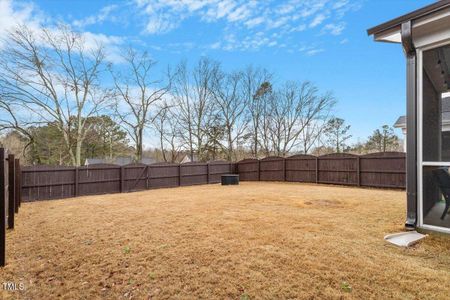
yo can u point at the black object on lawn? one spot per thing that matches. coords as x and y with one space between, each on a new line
230 179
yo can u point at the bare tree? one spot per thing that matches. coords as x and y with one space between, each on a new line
256 85
267 101
166 125
192 92
54 75
231 102
137 91
291 111
12 120
312 134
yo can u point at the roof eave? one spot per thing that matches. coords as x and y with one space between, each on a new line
396 23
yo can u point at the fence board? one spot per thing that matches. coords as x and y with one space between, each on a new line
193 173
301 168
164 175
248 169
384 170
338 168
98 179
135 177
10 181
271 169
47 182
219 168
17 185
3 205
11 191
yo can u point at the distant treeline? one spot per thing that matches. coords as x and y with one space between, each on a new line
61 102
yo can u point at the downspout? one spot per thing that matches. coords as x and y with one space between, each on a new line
411 126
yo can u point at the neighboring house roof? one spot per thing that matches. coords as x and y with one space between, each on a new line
148 160
401 121
121 161
187 158
93 161
417 14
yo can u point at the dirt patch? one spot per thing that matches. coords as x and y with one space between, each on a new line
324 202
256 240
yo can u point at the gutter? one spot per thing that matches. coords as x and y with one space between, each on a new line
411 124
397 23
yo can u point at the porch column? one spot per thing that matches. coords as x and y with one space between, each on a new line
411 125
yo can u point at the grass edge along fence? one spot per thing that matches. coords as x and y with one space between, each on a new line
382 170
10 196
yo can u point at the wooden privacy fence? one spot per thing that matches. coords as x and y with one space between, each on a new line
55 182
384 169
10 196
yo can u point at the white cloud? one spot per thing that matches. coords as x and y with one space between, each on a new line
112 45
244 18
215 45
220 11
314 52
317 20
13 14
103 15
334 29
245 25
242 13
310 50
254 22
236 12
160 24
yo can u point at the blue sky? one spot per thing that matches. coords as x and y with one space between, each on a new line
323 41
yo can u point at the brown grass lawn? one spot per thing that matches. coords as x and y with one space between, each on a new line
253 241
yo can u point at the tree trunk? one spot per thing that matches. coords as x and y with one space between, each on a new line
230 146
138 155
256 144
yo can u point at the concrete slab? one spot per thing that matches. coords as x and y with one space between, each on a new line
404 239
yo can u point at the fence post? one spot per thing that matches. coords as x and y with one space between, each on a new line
17 185
11 191
122 179
358 168
147 179
179 175
2 209
284 168
259 170
207 173
317 169
76 190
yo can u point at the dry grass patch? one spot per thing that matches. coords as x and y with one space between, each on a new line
256 240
